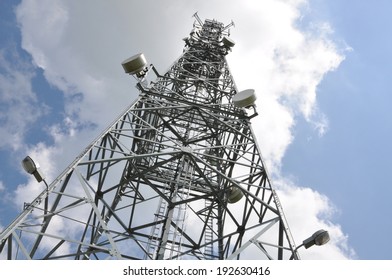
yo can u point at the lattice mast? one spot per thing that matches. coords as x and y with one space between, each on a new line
178 175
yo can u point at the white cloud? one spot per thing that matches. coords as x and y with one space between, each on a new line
284 65
308 211
19 107
80 49
273 130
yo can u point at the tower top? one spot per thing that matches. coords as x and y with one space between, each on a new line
210 35
214 22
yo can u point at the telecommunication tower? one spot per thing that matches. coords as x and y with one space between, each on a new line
178 175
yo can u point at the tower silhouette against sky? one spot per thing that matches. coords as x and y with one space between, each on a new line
178 175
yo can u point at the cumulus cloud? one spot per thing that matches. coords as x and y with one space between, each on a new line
285 65
18 102
310 211
80 49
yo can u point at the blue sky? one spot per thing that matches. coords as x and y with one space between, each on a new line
351 163
328 150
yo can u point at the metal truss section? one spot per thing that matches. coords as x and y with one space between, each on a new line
178 175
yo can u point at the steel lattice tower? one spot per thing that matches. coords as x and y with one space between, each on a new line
178 175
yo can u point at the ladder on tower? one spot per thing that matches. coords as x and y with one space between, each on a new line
153 241
180 215
159 216
209 233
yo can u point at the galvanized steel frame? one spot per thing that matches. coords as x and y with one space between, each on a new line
156 184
